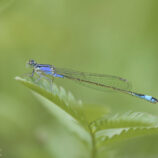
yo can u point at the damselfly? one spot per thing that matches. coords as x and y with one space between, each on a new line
96 81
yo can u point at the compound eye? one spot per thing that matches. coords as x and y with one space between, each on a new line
31 62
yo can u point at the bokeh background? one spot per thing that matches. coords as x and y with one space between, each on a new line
109 37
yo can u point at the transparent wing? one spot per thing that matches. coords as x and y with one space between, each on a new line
97 81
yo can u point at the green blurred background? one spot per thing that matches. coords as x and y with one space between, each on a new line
108 37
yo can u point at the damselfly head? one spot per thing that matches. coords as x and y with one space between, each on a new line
31 63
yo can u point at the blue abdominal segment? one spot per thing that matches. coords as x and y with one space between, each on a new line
146 97
57 75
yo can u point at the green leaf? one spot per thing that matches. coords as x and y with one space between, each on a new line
116 128
107 137
64 106
59 97
126 120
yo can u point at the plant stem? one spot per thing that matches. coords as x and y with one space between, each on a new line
93 143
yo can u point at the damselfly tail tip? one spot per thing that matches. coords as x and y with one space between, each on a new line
146 97
150 99
154 100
